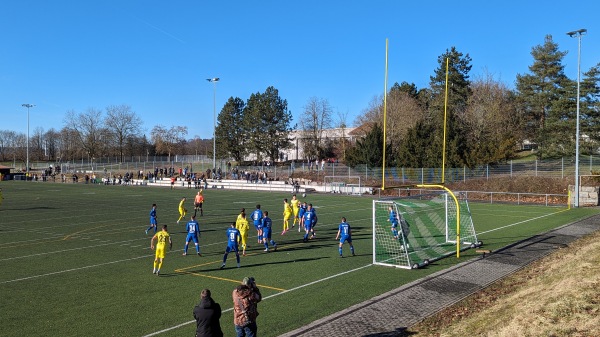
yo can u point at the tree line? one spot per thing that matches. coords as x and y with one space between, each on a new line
485 122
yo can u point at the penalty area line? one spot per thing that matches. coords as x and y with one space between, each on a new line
264 298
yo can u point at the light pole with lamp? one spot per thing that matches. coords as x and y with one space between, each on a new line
28 106
214 80
577 34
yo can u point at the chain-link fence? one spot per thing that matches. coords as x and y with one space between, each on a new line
557 168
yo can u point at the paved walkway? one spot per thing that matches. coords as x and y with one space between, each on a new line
392 313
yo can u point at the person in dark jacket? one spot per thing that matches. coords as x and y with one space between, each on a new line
207 314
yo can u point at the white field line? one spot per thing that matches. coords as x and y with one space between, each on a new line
521 222
265 298
74 269
73 249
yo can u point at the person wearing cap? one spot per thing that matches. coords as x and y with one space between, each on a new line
245 301
207 314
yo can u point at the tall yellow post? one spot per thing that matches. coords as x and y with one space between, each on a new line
384 114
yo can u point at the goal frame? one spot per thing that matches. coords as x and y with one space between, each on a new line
350 185
415 244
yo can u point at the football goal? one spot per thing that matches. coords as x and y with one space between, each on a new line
342 184
426 229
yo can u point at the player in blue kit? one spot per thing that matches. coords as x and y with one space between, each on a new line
153 219
233 237
393 219
193 232
267 230
309 221
257 216
346 236
301 212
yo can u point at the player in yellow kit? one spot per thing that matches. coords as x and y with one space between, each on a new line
287 213
295 208
182 210
161 244
242 225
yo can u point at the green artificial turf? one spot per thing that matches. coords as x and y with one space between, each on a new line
76 261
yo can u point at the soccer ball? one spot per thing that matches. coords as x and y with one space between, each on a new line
303 195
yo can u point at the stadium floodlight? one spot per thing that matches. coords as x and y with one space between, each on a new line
28 106
214 80
577 33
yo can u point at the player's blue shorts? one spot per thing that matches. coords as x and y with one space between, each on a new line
267 233
153 221
345 238
308 226
394 225
231 248
192 237
257 225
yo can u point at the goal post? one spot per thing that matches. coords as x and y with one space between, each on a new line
430 226
342 184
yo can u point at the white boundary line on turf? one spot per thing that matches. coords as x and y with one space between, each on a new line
127 243
74 269
267 297
521 222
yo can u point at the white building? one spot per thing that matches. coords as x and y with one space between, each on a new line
296 152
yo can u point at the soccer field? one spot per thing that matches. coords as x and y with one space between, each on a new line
76 261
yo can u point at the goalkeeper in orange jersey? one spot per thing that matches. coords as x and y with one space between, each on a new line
198 201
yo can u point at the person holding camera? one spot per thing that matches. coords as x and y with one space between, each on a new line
245 300
207 314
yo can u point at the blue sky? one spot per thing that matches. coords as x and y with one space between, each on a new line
156 55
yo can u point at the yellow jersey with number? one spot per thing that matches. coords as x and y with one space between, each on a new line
162 239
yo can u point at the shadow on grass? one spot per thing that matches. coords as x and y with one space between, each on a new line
399 332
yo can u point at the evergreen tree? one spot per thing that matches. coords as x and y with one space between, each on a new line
267 122
547 99
590 109
230 132
368 150
458 94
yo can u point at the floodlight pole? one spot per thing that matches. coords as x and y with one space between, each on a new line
577 34
214 80
28 106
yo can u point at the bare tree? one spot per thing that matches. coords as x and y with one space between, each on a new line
493 124
342 118
88 127
51 138
8 145
67 140
36 144
167 140
316 118
403 112
122 124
